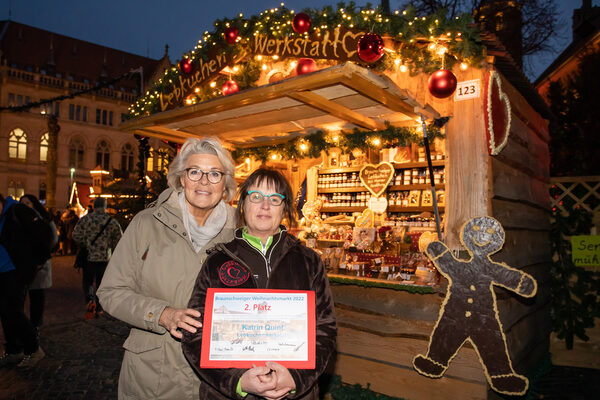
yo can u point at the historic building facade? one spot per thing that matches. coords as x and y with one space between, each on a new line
37 65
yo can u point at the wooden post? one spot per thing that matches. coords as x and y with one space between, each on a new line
52 162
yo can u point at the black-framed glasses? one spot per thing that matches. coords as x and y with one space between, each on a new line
256 196
196 174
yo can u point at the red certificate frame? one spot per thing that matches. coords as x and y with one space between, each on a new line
249 315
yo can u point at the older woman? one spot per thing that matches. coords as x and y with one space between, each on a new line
270 258
150 277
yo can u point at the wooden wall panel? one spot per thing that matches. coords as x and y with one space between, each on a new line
512 214
467 171
511 183
522 248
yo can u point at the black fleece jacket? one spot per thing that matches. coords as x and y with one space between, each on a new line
287 265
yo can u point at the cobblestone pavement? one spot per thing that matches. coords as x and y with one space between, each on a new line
83 358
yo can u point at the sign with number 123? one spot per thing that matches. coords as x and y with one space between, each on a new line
467 90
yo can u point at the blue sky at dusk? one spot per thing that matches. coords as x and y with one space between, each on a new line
144 26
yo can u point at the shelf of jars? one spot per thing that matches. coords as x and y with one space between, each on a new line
329 210
407 176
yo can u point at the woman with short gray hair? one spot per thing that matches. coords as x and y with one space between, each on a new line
150 277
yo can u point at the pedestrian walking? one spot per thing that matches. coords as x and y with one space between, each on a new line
43 277
25 243
99 233
150 278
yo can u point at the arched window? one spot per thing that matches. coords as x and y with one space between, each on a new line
103 155
15 189
17 144
76 150
44 146
127 158
150 160
162 159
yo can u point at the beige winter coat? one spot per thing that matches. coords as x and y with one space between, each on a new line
155 266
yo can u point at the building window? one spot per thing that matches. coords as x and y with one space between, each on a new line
11 100
162 159
17 144
50 108
127 158
76 154
103 155
75 113
15 189
104 117
44 146
150 160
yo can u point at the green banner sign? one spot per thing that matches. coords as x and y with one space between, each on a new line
585 250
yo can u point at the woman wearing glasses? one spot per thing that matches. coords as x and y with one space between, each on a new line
150 277
264 255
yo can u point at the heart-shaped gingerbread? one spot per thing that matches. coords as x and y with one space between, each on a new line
311 209
377 177
378 204
497 114
366 219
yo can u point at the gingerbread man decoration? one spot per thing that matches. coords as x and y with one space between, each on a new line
469 311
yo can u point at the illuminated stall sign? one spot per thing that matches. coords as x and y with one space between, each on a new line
339 44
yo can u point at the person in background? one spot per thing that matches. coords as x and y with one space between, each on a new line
150 277
16 260
264 256
43 277
99 233
69 221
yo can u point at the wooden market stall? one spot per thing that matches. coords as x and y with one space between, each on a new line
493 160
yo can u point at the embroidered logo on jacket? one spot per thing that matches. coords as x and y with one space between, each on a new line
233 274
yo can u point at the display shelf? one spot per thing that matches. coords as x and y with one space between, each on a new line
418 164
355 189
417 186
413 209
341 209
408 165
324 171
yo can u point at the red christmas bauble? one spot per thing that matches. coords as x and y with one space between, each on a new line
231 34
230 87
370 47
185 65
305 65
442 83
301 23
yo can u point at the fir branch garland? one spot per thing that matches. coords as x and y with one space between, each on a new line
320 141
410 34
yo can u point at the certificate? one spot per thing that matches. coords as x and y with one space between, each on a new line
243 327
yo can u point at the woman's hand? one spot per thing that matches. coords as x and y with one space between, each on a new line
173 319
285 382
258 381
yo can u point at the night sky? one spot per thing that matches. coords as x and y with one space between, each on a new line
144 26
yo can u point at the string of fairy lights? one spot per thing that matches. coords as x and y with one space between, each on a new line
418 44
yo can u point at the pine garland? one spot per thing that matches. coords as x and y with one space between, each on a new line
320 141
415 41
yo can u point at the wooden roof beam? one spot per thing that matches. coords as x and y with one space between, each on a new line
359 83
333 108
159 135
